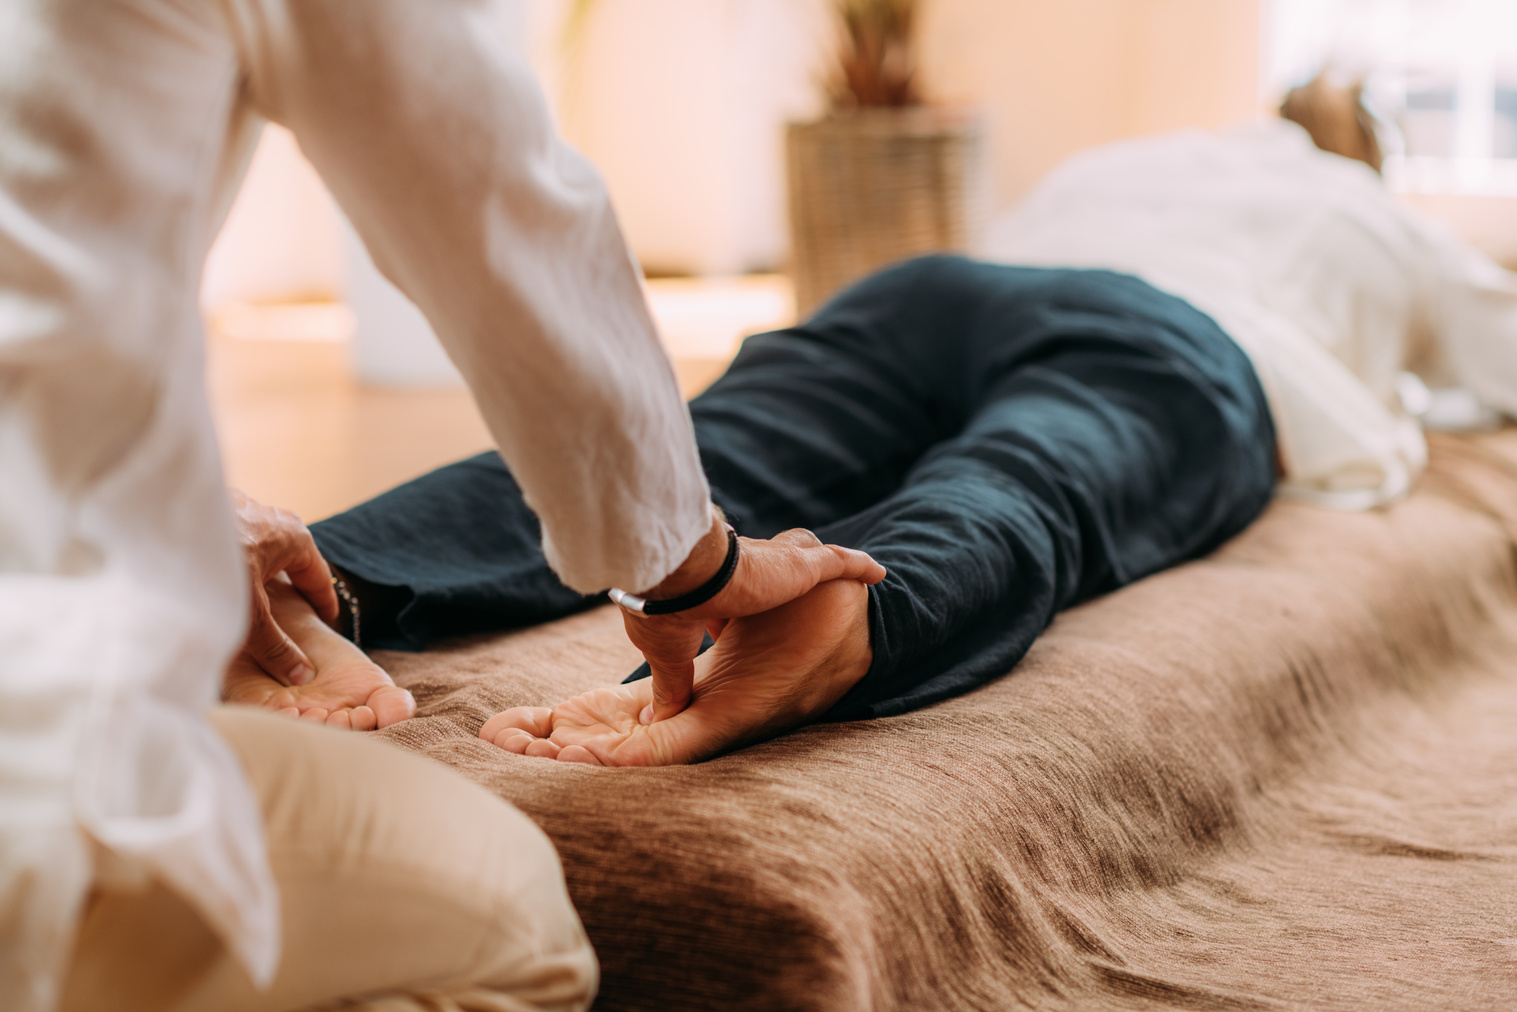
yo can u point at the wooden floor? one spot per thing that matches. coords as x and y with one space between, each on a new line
297 431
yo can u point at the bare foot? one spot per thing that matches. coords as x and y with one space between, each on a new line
349 690
767 674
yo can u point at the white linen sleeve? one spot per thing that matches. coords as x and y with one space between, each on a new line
428 125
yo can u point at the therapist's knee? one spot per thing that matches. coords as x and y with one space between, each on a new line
398 879
435 878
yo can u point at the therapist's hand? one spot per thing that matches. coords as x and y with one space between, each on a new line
275 541
769 574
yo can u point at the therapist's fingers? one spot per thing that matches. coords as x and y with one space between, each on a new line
856 565
775 571
275 541
672 687
669 643
271 648
313 578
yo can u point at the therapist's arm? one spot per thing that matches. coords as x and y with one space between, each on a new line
426 122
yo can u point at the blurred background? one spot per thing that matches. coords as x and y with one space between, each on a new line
761 152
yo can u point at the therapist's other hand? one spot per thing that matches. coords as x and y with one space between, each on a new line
274 541
769 573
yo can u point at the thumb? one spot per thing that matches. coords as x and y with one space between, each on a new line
672 687
669 644
273 650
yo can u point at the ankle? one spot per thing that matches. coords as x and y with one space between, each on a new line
379 607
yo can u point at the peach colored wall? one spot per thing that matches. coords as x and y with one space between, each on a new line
281 239
1055 76
681 104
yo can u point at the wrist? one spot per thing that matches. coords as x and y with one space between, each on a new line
703 562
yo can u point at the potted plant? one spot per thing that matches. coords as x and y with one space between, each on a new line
882 176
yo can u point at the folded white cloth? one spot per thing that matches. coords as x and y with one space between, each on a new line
1332 287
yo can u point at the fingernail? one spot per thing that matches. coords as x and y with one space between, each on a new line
646 716
301 674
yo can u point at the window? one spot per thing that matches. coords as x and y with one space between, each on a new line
1444 72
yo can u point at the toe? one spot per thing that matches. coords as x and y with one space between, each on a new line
578 754
495 725
534 720
288 711
542 748
364 719
316 715
513 741
340 719
391 705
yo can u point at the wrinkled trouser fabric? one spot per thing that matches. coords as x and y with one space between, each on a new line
403 888
1006 441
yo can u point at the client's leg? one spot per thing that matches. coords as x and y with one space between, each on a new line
456 551
809 425
1111 431
403 886
1005 441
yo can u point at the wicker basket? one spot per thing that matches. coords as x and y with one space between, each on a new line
873 186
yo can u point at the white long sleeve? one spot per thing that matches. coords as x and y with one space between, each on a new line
121 589
431 132
124 128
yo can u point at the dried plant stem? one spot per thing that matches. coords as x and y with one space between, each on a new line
877 58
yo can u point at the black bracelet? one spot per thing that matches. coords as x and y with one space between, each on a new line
697 597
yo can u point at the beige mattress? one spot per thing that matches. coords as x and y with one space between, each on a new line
1282 777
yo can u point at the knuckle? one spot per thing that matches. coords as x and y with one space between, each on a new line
278 649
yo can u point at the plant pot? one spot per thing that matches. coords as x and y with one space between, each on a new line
873 186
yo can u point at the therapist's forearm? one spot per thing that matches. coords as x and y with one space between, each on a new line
436 140
699 566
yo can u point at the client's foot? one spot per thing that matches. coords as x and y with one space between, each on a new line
349 690
766 675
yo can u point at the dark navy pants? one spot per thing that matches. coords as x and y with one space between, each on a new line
1006 441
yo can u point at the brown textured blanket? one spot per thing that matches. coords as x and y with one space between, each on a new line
1282 777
